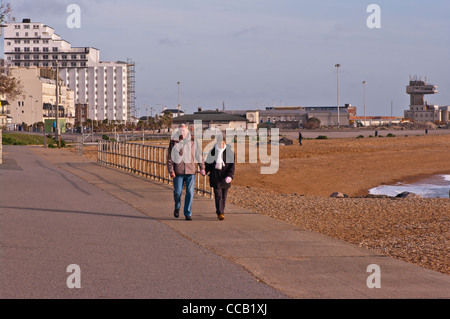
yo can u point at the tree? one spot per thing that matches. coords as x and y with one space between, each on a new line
312 123
5 13
165 121
10 87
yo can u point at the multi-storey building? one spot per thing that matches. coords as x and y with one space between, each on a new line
38 103
107 87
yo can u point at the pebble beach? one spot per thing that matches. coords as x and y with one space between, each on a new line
414 230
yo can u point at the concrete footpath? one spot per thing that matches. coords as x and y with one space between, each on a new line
58 209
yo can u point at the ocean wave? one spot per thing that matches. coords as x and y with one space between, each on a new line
430 188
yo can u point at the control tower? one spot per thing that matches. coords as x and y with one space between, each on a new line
419 109
417 89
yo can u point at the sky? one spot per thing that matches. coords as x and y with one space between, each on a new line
250 54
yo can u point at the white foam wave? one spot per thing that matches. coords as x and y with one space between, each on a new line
424 189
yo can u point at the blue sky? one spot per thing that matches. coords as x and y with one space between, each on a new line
259 53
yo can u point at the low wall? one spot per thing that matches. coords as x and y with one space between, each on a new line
1 148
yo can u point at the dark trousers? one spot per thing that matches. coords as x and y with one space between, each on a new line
220 196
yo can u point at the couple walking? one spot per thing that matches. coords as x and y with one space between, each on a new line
184 155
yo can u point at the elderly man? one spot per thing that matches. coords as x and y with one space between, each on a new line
182 159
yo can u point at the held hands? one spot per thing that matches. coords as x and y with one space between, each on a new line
228 180
172 174
203 172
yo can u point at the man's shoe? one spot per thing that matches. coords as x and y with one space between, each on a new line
188 218
176 213
221 216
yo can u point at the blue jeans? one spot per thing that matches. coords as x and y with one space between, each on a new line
178 185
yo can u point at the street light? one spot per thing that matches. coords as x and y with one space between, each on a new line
364 83
337 67
179 105
32 112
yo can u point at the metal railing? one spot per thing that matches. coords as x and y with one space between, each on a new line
144 160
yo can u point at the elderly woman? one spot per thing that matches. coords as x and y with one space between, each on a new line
220 166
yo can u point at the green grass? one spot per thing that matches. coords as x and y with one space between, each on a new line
24 139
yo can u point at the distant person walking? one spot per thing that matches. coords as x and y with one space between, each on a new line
220 166
300 138
183 156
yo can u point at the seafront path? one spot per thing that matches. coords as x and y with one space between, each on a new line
59 209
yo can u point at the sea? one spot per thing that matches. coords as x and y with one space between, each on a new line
437 186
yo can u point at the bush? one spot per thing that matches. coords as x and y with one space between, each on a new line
360 136
390 135
105 137
7 140
322 137
312 123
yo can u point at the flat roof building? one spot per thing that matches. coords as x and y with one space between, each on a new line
106 87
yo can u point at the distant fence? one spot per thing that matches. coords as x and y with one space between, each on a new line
144 160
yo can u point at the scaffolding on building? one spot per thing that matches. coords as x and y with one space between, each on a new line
131 89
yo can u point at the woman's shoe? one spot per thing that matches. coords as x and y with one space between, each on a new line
221 216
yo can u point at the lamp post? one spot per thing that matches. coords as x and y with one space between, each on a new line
58 137
364 84
337 67
179 105
32 112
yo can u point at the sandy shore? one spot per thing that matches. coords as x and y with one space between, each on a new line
350 165
413 230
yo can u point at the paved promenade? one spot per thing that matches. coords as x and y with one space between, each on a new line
57 209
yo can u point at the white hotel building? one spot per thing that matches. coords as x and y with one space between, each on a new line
106 87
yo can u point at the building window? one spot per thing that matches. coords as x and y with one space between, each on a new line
45 49
36 26
17 26
45 57
17 34
26 49
74 64
17 41
36 57
64 57
74 56
27 26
